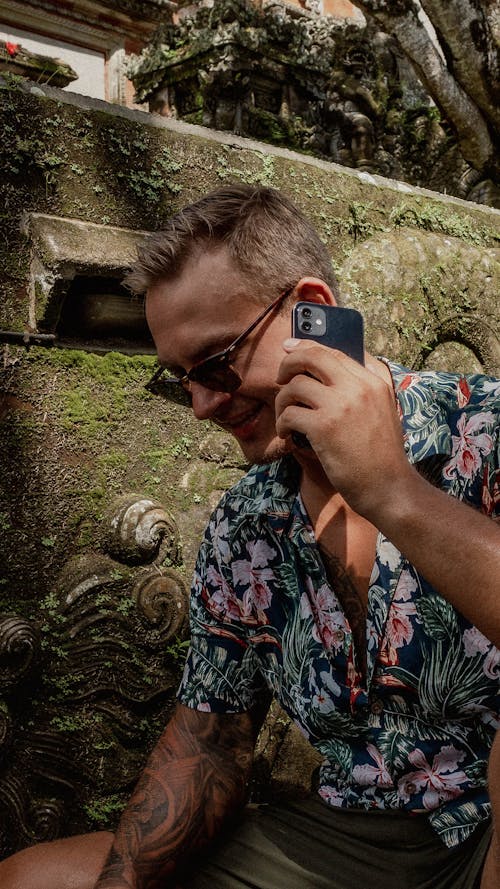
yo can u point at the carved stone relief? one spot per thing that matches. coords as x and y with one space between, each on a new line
92 675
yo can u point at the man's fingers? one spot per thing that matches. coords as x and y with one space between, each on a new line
321 362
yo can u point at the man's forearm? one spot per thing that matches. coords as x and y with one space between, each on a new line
194 780
454 546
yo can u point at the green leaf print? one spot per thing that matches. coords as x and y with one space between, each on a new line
438 617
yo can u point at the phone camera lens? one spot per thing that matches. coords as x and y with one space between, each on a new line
306 313
306 326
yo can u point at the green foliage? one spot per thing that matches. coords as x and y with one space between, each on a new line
177 650
181 447
103 811
358 225
5 523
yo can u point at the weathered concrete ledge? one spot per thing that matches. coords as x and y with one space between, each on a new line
172 125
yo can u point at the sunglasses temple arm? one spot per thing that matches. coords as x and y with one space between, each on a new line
266 311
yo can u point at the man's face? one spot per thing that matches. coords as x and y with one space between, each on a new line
199 313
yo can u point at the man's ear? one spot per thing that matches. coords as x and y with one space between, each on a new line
314 290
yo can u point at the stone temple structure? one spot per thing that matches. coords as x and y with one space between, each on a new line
334 87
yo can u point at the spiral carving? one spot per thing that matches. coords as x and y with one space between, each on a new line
163 600
19 649
141 531
85 576
47 820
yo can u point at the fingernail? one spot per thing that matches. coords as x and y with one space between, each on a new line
290 343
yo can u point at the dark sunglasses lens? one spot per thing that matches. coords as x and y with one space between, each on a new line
216 375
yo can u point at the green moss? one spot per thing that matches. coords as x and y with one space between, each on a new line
120 377
5 522
104 811
113 460
177 650
77 722
431 217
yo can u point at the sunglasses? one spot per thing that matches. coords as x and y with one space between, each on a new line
215 372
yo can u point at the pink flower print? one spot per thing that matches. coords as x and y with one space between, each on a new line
475 642
399 630
490 499
322 702
491 666
469 446
260 553
331 796
409 381
440 782
406 586
368 775
258 595
253 574
222 602
463 392
388 554
321 698
330 623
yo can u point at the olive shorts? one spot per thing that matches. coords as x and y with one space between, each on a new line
309 845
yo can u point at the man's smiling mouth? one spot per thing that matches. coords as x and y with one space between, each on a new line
241 425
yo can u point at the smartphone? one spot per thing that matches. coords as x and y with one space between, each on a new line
333 326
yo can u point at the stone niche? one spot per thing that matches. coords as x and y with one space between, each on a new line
75 295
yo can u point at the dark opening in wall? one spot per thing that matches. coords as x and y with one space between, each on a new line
98 314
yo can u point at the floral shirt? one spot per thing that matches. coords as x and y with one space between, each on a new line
415 736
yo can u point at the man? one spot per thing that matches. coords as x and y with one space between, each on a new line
338 577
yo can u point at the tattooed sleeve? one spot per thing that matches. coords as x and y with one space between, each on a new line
195 779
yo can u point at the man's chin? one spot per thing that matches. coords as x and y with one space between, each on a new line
275 450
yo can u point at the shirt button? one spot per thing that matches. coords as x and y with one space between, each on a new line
339 635
410 787
377 707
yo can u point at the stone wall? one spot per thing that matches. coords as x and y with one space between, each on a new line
104 493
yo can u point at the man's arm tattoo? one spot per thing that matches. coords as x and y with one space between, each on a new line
195 778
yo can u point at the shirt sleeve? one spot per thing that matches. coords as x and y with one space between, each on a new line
222 673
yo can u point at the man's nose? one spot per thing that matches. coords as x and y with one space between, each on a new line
206 402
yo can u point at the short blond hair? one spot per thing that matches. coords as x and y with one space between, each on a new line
266 235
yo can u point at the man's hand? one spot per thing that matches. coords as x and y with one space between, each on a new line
195 779
349 415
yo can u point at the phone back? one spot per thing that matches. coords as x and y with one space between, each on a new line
334 326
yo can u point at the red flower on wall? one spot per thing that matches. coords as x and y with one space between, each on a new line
12 48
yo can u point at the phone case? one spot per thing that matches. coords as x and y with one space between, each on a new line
333 326
341 329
